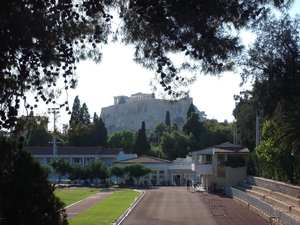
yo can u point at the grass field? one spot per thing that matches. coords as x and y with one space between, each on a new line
71 195
107 211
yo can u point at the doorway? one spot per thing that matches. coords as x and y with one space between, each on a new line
177 180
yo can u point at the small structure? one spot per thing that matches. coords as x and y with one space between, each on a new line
220 165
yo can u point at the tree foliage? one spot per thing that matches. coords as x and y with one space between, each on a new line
141 145
168 119
93 170
190 111
85 117
97 133
82 131
97 169
274 63
61 167
194 127
137 171
41 42
118 171
215 133
275 158
245 115
200 30
26 195
122 139
75 115
175 144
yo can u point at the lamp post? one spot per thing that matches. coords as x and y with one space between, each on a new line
54 111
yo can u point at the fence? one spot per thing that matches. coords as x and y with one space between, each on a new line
262 206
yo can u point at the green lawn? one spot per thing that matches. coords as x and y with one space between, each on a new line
71 195
107 211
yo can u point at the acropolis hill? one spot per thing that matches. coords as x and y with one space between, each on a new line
127 113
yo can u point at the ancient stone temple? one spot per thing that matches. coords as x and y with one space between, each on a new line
127 113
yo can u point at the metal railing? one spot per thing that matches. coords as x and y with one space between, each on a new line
263 206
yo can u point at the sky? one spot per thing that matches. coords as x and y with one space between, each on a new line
118 74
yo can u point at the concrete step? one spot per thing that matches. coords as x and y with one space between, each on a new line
287 198
261 190
255 193
277 195
278 203
267 196
296 211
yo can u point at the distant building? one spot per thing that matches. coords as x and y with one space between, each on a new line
220 165
79 155
127 113
213 167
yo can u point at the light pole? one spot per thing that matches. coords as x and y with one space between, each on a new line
54 111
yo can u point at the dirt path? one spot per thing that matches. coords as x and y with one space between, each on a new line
86 203
176 206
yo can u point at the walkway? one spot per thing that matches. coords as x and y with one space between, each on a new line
73 209
176 206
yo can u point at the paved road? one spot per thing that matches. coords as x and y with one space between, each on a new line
176 206
86 203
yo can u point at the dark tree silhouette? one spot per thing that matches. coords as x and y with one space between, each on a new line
26 190
42 40
75 115
191 110
168 119
200 30
99 133
85 117
142 145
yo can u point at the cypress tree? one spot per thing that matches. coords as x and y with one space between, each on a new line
95 118
75 115
98 133
194 127
84 115
102 131
190 111
142 145
168 119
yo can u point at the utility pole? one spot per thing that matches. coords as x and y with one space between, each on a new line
257 129
54 111
234 134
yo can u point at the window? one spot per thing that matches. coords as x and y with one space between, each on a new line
235 161
221 160
205 159
208 159
77 160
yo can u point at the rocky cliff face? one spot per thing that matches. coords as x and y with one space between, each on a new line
129 115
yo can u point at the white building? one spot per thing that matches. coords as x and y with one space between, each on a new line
164 172
80 155
213 167
220 165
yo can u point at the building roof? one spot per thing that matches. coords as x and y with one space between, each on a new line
226 147
144 159
72 150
